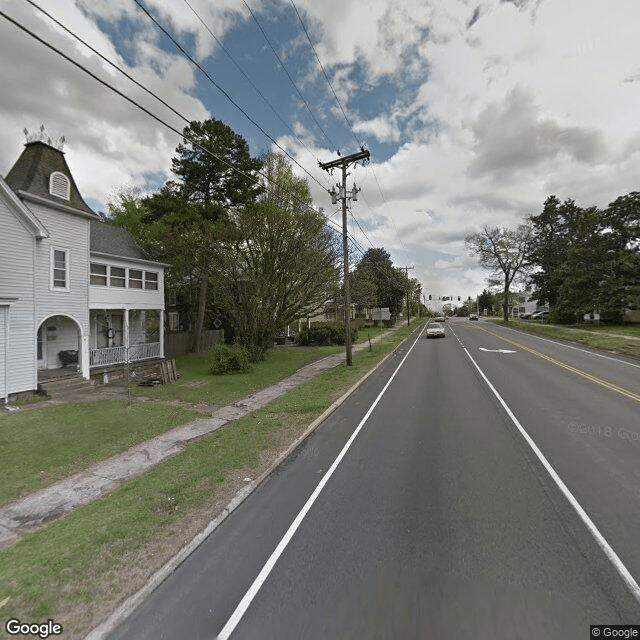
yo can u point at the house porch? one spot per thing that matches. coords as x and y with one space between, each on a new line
123 336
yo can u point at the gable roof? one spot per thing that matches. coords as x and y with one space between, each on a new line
29 176
17 206
113 241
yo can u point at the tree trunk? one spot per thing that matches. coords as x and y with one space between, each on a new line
202 306
505 304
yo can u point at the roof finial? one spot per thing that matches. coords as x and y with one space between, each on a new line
41 136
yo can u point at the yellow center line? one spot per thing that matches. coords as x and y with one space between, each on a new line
583 374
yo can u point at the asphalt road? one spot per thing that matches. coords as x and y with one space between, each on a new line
439 521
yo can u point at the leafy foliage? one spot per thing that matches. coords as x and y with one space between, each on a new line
587 259
325 334
377 280
224 358
505 253
278 261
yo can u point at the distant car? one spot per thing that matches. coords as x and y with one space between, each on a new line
473 316
540 315
524 316
435 330
439 319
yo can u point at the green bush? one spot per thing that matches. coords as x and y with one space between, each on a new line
224 358
324 334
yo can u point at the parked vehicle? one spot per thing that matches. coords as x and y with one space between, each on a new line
540 315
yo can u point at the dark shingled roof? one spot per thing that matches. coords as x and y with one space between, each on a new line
114 241
31 174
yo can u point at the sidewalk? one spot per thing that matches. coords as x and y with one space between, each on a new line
60 499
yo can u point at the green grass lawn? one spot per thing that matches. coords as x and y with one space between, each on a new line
40 446
592 337
129 533
197 385
619 329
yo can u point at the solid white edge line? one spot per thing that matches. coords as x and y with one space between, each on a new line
243 605
613 557
569 346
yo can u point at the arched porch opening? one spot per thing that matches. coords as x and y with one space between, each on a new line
59 345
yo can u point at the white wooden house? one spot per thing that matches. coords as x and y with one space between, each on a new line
74 291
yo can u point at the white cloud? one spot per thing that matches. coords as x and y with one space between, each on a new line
488 106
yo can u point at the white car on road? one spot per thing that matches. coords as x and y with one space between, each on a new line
435 330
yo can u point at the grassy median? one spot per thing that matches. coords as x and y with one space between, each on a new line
76 570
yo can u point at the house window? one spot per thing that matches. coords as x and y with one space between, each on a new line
98 274
59 269
150 280
135 279
59 185
117 277
173 320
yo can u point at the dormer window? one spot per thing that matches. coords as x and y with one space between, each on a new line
59 185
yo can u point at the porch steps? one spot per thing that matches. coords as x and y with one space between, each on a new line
65 384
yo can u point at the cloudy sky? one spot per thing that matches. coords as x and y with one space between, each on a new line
474 111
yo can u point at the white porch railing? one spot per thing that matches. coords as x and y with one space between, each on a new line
121 355
144 351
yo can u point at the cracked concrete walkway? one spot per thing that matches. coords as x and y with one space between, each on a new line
58 500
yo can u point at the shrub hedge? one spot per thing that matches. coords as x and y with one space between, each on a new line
225 358
325 334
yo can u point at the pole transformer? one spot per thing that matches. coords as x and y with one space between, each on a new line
343 162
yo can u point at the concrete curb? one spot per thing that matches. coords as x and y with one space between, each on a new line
124 610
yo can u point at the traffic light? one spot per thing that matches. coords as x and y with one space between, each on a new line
429 296
458 298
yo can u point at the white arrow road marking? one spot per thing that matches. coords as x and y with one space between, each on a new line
497 350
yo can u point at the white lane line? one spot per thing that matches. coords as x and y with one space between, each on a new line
613 557
568 346
242 607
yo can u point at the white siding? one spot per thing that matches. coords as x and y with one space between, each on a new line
4 337
17 281
72 233
101 297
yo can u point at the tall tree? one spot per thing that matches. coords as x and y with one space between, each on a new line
390 284
215 175
278 261
553 231
623 218
586 259
504 252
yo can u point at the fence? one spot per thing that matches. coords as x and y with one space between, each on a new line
177 344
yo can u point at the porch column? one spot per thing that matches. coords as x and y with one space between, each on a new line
125 334
84 355
162 333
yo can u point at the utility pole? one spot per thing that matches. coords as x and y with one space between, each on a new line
406 272
343 162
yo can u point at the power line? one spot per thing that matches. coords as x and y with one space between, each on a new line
358 142
386 204
146 111
226 95
345 117
181 134
242 71
109 62
275 53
